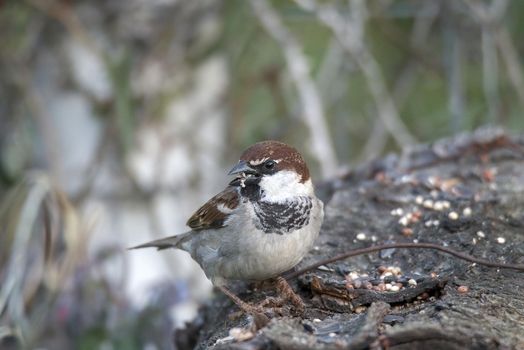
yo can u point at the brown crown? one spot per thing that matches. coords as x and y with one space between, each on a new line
288 158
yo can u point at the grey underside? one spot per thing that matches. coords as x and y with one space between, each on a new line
257 245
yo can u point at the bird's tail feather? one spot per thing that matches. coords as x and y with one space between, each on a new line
164 243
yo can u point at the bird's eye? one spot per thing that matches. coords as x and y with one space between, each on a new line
269 164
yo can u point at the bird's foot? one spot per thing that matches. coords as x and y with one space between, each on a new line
259 317
271 302
285 290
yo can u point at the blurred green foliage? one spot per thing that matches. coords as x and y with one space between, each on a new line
263 106
53 295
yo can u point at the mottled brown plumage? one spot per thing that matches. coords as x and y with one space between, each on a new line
214 213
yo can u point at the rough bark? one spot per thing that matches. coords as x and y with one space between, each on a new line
484 172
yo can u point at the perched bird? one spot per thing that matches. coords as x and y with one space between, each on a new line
260 226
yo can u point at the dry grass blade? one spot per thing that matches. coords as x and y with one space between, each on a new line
11 293
36 262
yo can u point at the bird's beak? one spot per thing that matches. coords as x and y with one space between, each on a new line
242 167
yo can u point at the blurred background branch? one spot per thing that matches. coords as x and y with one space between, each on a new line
489 17
349 31
311 103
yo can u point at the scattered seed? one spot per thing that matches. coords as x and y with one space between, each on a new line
394 288
423 296
501 240
466 211
388 286
481 234
419 199
463 289
453 215
430 223
324 268
397 212
406 231
404 221
395 270
446 204
317 320
361 236
428 203
360 309
240 334
373 238
412 282
332 334
489 174
438 206
433 180
353 275
449 184
380 177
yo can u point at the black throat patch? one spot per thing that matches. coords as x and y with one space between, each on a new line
281 218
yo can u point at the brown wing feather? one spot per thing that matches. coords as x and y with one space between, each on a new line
209 215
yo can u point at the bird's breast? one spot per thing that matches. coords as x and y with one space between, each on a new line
282 217
266 244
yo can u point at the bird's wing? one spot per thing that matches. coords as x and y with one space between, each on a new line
215 212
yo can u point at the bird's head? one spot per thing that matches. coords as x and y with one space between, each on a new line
277 168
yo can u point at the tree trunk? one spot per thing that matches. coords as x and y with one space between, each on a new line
467 193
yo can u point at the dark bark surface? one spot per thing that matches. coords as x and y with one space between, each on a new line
454 305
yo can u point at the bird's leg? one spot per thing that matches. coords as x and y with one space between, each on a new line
260 318
285 290
270 302
247 308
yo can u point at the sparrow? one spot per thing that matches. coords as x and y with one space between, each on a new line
261 225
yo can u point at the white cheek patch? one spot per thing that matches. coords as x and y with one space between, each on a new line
283 185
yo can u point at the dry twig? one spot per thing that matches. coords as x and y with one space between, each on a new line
299 70
349 32
445 250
